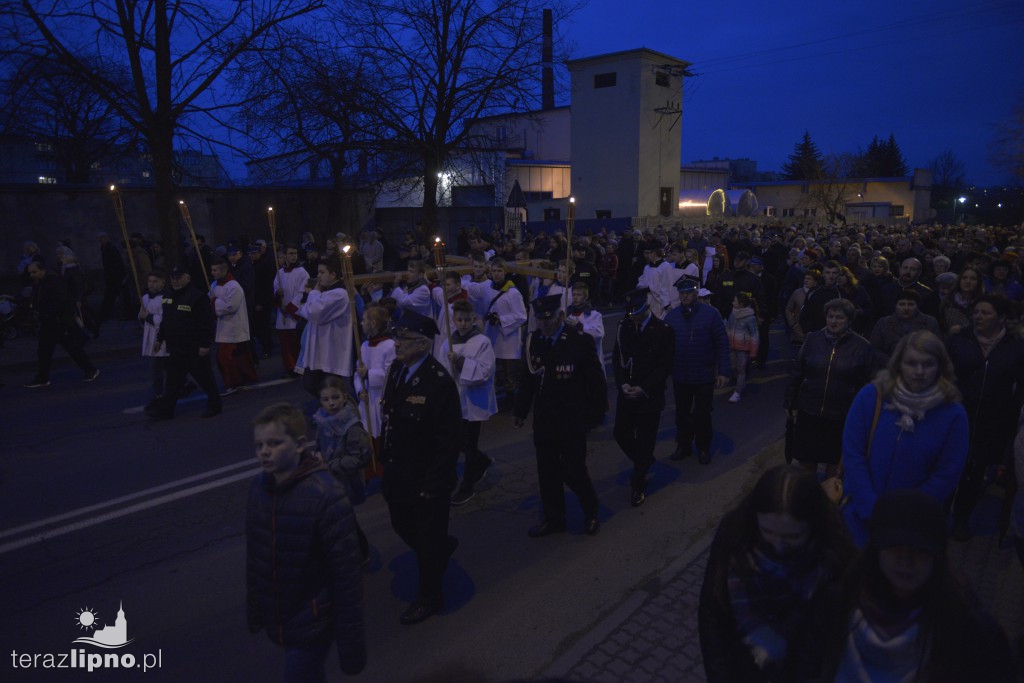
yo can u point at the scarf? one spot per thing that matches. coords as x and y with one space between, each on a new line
767 599
989 343
463 295
882 645
226 279
373 341
913 405
460 339
962 300
580 310
331 430
504 286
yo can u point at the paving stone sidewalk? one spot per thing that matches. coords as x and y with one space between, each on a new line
653 637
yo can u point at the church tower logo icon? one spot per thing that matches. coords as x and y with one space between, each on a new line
109 637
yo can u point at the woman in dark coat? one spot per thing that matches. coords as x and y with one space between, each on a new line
781 546
989 363
831 367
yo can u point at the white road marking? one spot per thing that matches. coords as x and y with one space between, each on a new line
199 395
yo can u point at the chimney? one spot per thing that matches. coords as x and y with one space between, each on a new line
547 96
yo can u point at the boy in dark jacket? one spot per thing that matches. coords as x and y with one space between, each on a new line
302 560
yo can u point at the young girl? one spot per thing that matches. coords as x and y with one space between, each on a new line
743 340
344 444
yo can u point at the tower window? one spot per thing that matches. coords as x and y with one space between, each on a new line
605 80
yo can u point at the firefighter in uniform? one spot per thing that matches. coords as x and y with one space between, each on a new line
421 418
566 388
642 362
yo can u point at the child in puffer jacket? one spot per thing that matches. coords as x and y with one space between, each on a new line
743 339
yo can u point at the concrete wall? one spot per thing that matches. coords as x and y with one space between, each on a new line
47 213
624 148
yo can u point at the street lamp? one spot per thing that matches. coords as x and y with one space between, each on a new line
961 200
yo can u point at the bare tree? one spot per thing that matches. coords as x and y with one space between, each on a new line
445 63
45 102
308 105
175 52
948 170
831 189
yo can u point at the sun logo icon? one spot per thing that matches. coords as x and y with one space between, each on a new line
87 618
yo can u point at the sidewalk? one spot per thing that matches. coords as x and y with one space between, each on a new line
653 638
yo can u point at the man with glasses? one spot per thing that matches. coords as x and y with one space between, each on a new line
421 419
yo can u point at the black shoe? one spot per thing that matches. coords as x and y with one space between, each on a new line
704 458
463 495
545 529
681 452
211 412
159 415
480 477
90 376
636 499
591 527
188 389
417 612
37 384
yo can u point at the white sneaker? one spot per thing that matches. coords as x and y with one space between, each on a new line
735 398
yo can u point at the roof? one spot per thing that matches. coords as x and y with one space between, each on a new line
639 52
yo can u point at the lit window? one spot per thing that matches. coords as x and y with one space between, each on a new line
145 174
47 180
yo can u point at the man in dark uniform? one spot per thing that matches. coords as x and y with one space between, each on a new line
420 421
188 328
566 388
739 279
766 315
642 360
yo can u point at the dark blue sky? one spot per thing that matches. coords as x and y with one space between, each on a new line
936 74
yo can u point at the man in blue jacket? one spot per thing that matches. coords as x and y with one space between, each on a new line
701 363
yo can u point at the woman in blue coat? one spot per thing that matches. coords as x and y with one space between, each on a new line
919 438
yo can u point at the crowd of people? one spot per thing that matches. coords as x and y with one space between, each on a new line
905 393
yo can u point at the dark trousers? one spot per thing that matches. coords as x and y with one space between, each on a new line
693 414
110 294
507 376
288 340
71 340
562 460
179 365
423 525
970 489
763 331
262 318
476 460
159 376
636 433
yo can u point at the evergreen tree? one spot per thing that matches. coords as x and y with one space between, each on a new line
805 161
895 166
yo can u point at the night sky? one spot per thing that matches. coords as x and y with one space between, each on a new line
937 74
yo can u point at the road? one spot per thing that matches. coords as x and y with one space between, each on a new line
102 507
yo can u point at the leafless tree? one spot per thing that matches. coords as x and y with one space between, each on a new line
175 52
46 103
444 64
831 189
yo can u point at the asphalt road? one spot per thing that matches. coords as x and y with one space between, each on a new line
101 507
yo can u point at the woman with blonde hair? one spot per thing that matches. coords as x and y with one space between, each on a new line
905 430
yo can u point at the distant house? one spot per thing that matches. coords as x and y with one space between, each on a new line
857 199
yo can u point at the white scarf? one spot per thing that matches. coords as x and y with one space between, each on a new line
913 405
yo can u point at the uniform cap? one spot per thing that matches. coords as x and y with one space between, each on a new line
180 269
686 284
636 300
545 307
757 261
415 322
